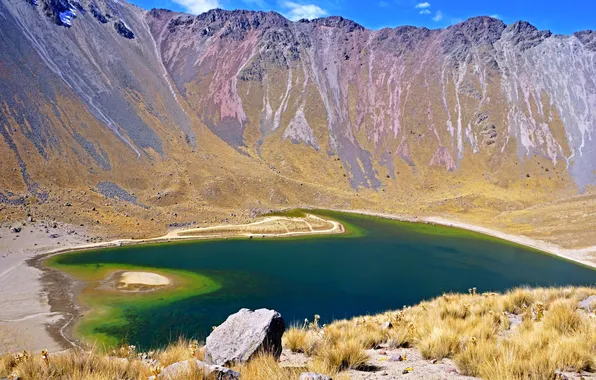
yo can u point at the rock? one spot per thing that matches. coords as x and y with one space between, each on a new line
243 335
588 304
16 230
53 236
559 375
123 30
397 358
181 369
386 326
514 320
313 376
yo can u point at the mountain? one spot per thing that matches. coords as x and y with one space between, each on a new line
163 117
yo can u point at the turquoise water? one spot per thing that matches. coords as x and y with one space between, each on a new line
385 266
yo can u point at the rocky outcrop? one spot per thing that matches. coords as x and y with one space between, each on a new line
123 30
245 334
587 38
526 36
589 304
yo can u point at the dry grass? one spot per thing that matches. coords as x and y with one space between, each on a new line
266 367
475 330
73 365
301 340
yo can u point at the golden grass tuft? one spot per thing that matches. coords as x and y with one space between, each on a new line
74 365
563 317
341 356
266 367
300 340
179 351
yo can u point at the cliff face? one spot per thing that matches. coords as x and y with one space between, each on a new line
104 91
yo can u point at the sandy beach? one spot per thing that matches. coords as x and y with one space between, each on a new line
27 319
24 308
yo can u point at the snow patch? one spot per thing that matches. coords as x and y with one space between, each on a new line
67 16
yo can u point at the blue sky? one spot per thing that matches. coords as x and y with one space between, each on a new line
555 15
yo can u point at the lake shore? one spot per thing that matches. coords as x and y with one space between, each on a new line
45 323
585 256
38 306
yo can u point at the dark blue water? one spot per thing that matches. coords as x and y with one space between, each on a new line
392 265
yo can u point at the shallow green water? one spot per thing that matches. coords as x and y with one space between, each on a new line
381 265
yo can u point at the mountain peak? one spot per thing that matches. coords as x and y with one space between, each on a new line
587 38
525 35
337 22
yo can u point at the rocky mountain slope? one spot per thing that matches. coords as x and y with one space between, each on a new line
165 117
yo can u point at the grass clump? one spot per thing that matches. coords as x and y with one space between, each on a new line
267 367
300 340
341 356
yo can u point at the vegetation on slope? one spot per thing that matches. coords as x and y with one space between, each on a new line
522 334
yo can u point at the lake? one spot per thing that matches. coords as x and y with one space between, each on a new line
379 265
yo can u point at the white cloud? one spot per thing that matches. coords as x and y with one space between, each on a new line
425 12
438 16
198 6
426 4
296 11
497 16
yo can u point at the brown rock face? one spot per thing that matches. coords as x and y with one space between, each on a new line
242 108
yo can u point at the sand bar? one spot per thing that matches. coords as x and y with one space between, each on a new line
143 278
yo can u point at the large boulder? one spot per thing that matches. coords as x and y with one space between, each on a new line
182 370
245 334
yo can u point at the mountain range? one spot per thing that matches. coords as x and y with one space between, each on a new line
165 118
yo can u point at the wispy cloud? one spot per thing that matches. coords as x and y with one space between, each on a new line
198 6
438 16
426 4
256 3
497 16
296 11
425 12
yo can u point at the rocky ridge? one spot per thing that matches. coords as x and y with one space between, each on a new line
102 92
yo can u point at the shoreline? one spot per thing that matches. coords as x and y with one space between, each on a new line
176 236
60 290
584 256
53 293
